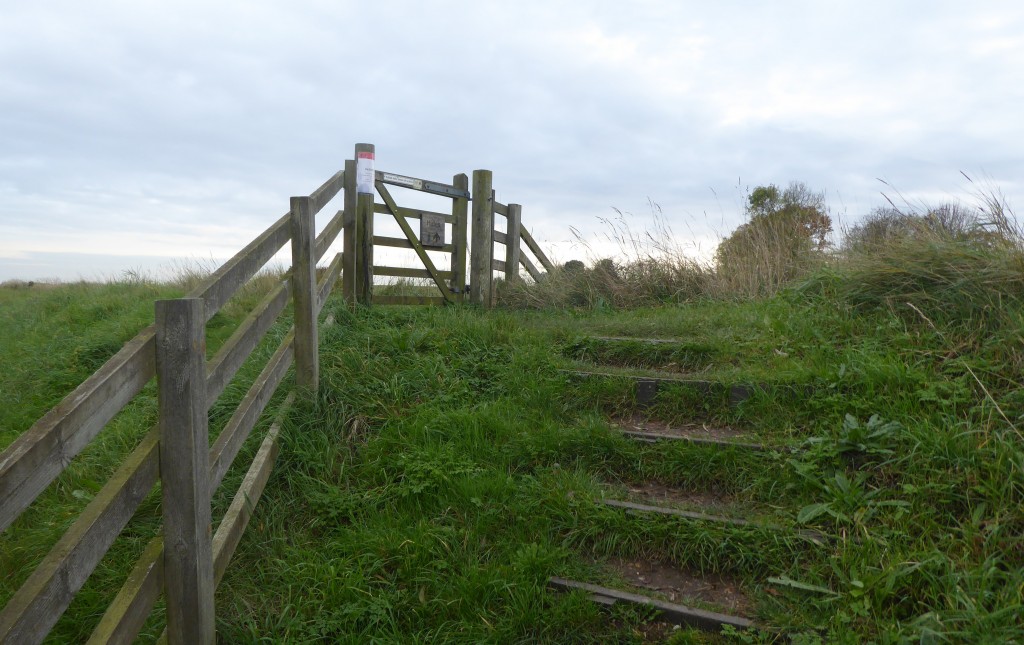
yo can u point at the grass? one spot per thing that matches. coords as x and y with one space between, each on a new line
449 467
450 463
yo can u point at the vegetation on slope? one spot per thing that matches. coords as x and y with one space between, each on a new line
450 465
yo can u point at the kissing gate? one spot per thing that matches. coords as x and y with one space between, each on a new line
361 180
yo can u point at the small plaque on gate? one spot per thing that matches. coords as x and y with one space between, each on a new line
431 230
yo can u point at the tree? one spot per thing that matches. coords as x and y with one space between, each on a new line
785 232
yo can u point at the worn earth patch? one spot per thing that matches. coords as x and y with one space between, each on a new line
658 494
677 585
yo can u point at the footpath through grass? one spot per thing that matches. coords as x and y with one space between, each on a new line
451 464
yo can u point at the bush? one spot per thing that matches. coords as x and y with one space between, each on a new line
785 237
947 223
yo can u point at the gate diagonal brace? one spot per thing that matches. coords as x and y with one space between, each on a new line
389 201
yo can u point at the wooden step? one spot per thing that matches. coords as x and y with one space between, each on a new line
673 613
655 437
666 510
647 386
630 339
648 430
633 507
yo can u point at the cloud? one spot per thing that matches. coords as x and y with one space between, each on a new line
182 127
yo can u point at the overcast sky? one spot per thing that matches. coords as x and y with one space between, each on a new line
134 130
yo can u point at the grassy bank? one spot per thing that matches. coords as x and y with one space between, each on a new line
450 467
454 459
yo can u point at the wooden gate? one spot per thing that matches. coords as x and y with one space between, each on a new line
443 232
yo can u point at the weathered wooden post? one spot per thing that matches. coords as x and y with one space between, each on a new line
348 269
365 178
304 294
512 239
460 224
185 470
482 251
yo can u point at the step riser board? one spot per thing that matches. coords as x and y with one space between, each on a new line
631 507
654 437
671 612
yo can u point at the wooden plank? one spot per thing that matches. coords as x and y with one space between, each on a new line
654 437
244 418
364 249
534 273
35 458
634 339
218 288
411 236
413 213
409 300
131 607
348 272
422 185
402 272
680 380
632 507
535 248
498 265
304 295
234 352
236 519
460 218
499 237
500 209
327 283
330 233
403 243
512 249
364 226
676 614
690 515
184 470
327 191
37 606
482 244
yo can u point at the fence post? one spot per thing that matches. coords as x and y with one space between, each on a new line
365 153
512 239
482 251
348 269
185 470
460 224
304 294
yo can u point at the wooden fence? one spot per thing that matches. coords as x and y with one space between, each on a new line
177 451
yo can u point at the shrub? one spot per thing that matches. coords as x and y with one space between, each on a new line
947 223
784 237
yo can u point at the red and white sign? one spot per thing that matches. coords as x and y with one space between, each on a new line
365 174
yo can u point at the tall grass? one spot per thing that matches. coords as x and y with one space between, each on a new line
953 262
651 267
